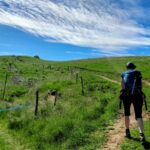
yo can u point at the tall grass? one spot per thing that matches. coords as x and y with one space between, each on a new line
77 122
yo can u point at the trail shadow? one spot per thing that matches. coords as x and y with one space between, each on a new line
146 145
135 139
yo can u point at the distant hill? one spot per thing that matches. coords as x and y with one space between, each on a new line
86 102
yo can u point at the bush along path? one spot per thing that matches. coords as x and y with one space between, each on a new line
7 141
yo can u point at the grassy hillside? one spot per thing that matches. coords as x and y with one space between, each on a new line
80 118
112 67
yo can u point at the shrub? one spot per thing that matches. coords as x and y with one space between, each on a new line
91 87
78 138
37 57
58 86
15 123
18 91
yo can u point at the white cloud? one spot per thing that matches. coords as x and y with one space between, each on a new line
106 25
93 53
5 53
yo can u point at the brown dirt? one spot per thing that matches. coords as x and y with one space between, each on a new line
117 132
111 80
146 82
117 82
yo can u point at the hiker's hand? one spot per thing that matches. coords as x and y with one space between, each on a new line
122 94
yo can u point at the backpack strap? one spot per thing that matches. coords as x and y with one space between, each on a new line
133 86
139 80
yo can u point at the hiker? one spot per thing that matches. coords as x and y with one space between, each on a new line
132 93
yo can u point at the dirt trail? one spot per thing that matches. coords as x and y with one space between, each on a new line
117 82
146 82
108 79
116 133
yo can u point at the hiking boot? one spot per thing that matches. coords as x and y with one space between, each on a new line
142 138
128 135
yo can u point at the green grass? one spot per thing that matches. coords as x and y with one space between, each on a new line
69 125
135 143
77 122
112 67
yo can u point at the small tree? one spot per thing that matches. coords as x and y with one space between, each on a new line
37 57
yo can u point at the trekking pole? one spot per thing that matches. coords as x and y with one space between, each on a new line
82 85
55 99
37 102
120 104
4 90
146 104
77 76
145 101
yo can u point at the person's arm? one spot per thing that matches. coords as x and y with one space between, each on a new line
139 80
122 84
121 96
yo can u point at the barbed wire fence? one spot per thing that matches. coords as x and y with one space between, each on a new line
17 78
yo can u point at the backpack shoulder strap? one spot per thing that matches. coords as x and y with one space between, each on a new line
138 74
134 83
138 77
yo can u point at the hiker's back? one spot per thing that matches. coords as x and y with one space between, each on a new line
132 80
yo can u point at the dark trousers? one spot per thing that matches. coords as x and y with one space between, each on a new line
137 101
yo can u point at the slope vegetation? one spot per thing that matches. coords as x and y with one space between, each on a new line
86 106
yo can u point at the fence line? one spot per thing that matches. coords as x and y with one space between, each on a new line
15 108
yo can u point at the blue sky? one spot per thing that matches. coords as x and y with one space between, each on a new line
66 29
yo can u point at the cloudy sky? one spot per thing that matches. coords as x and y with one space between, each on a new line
67 29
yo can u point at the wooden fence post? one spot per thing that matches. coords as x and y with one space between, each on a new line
77 76
50 67
82 85
55 99
71 71
37 102
5 83
10 66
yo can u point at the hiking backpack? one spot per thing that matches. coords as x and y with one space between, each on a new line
132 81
